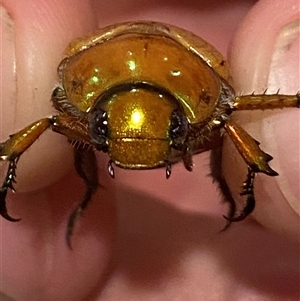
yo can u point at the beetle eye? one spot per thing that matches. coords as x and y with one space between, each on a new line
98 128
179 125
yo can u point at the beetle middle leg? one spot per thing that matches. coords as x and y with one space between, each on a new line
217 175
248 189
249 149
86 167
76 129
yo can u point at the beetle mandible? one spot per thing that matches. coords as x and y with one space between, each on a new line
150 95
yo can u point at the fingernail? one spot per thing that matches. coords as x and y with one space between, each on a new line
284 67
7 74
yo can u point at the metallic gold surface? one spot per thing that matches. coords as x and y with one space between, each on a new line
22 140
139 128
140 114
76 129
249 149
266 101
134 153
155 59
195 44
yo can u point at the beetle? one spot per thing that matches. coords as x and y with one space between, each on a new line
150 95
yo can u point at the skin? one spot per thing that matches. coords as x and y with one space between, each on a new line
167 245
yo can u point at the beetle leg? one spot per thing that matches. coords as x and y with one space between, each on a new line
19 142
62 104
248 189
11 150
86 167
217 175
266 101
73 127
8 184
188 160
255 158
257 161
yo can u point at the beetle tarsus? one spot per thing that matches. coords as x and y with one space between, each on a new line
86 167
250 205
217 175
3 209
8 184
248 189
77 212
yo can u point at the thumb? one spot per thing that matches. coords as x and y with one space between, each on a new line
265 55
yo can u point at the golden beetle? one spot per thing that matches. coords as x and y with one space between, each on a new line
149 95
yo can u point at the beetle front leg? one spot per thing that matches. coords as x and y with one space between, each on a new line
257 161
248 189
8 184
249 149
11 150
19 142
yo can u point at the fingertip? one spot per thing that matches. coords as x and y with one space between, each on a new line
39 31
266 41
265 54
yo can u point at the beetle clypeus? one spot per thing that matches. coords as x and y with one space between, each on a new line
149 95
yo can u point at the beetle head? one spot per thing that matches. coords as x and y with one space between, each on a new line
137 124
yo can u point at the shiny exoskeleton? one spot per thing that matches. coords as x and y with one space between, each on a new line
149 95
